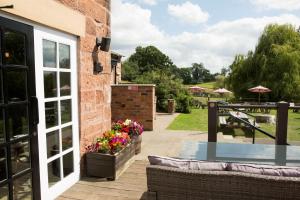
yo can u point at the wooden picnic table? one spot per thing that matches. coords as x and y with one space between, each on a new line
235 115
240 115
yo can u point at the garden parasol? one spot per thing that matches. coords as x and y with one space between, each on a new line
259 89
222 91
196 89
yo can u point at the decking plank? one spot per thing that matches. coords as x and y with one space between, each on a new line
131 185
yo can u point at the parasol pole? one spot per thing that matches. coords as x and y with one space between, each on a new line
259 97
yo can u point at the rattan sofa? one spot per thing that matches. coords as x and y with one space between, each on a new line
166 183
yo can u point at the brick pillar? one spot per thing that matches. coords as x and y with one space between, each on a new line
282 123
212 121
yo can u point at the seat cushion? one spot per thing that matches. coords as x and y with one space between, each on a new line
265 169
187 164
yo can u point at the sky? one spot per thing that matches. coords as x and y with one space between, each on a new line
211 32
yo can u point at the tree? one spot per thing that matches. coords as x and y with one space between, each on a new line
150 58
150 65
200 73
224 71
220 81
186 75
129 71
275 63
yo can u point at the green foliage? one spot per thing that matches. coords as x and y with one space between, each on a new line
200 74
183 103
148 65
129 71
220 81
275 63
167 87
186 75
151 59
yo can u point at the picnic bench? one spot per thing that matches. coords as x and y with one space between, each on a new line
222 121
236 116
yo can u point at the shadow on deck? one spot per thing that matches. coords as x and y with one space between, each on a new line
131 185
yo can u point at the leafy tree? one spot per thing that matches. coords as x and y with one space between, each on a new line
220 81
150 58
224 71
275 63
186 75
200 73
129 70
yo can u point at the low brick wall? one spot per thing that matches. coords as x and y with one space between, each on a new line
134 102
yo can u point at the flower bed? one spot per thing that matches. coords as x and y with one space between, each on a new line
110 153
134 130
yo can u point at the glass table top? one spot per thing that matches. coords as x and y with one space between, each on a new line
248 153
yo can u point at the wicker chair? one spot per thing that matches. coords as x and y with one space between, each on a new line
166 183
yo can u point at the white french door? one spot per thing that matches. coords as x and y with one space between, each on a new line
56 89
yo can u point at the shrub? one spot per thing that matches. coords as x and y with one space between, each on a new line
183 103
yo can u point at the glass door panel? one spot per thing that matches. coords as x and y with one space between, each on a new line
17 86
22 187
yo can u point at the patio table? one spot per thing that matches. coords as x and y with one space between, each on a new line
250 153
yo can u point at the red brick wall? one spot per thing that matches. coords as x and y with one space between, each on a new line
134 102
94 90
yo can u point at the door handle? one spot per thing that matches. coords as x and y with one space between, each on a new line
35 110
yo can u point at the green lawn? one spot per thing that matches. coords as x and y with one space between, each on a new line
209 85
204 100
197 120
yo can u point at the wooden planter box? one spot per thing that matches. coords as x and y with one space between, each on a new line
137 141
109 166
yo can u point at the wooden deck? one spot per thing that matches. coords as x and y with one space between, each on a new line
131 185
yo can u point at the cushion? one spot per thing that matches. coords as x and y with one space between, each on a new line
187 164
265 169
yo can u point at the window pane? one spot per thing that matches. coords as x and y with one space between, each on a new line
66 137
23 187
2 133
14 48
51 114
20 156
49 53
64 56
54 172
50 84
68 163
52 143
16 85
4 192
3 174
65 83
66 111
17 121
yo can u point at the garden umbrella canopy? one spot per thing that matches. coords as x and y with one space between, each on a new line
222 91
196 88
259 89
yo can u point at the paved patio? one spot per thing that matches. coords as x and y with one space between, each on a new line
132 183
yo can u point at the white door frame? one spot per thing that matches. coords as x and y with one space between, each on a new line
41 33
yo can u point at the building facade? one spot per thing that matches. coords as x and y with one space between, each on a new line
55 92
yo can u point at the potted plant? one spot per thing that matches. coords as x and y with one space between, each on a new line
108 155
134 130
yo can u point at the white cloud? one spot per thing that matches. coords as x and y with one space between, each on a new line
188 13
277 4
149 2
215 46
